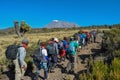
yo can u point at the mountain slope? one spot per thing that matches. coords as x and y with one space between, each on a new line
61 24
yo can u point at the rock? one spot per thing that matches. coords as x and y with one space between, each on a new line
4 77
27 78
3 68
70 77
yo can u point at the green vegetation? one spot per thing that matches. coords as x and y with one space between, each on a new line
102 71
108 70
25 26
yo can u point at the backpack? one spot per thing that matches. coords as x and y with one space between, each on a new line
38 56
60 45
65 44
71 47
62 52
51 48
11 52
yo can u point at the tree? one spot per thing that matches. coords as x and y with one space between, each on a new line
24 27
17 28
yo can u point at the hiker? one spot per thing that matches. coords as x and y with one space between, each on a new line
53 52
62 51
77 47
94 35
76 35
84 39
19 62
83 43
92 38
65 44
62 55
80 39
88 37
56 51
73 45
41 63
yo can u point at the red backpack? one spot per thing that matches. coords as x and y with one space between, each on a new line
62 52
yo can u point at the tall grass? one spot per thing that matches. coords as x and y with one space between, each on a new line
101 71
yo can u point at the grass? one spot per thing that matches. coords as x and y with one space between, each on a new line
33 39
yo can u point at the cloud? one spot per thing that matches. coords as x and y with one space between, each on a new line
55 20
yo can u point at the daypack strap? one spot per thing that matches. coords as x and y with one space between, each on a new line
18 54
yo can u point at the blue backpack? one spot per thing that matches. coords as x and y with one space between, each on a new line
65 44
71 47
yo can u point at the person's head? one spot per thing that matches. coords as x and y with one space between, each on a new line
76 38
25 41
43 45
52 39
65 38
71 38
56 40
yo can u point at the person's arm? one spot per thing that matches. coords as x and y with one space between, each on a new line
76 45
22 54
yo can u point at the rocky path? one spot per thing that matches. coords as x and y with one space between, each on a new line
90 49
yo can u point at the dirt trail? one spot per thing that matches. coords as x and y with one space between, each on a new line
88 50
80 66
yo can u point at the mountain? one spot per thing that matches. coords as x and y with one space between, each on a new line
60 24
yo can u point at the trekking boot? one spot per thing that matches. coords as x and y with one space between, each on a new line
71 72
36 77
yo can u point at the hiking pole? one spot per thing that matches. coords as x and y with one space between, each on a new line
15 43
38 43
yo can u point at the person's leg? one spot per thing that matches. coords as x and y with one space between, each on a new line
50 64
37 73
72 63
45 70
64 57
72 67
17 70
60 59
55 61
94 39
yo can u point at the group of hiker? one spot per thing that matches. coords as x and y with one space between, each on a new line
55 51
85 37
48 55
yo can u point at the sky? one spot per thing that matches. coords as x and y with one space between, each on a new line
38 13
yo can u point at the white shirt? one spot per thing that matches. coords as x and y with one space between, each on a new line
44 52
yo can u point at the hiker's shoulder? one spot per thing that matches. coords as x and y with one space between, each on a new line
20 47
54 43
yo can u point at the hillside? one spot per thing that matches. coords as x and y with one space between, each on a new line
59 71
60 24
81 67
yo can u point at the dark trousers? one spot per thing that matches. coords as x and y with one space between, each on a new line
72 60
52 62
39 67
